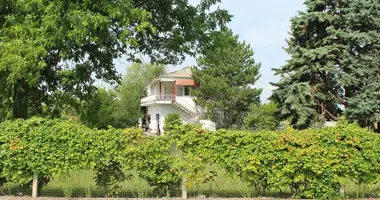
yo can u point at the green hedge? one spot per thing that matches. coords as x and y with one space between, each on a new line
313 163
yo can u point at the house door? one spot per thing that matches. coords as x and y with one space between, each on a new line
158 123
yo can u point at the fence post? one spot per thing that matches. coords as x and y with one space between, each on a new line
184 190
35 186
341 191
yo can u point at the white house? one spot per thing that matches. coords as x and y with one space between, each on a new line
167 94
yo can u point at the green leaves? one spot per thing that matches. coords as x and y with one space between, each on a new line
262 117
314 163
42 147
51 47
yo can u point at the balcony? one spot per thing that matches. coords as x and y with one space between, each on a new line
158 99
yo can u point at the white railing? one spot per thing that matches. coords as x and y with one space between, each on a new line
158 97
149 99
167 97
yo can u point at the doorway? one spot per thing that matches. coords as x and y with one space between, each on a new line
158 124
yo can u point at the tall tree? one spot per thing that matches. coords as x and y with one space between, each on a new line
360 67
226 74
334 49
50 46
309 90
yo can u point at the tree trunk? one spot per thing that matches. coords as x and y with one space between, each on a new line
342 191
20 100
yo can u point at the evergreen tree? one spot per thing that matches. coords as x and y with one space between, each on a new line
226 74
309 90
360 67
334 48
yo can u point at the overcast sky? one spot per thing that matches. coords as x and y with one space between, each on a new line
265 25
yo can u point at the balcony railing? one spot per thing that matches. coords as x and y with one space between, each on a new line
158 97
166 97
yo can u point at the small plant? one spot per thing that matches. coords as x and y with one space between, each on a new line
88 192
67 190
246 192
67 185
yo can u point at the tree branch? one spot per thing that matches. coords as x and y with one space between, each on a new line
141 3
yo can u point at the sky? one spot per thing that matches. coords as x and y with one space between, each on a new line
264 24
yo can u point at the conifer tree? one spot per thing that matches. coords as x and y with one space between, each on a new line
333 48
226 74
360 68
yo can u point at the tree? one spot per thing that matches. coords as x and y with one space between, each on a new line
262 117
226 74
101 110
132 89
53 46
334 51
311 72
360 67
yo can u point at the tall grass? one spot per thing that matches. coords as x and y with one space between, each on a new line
81 184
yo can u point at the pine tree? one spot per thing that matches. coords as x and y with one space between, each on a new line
334 49
360 69
315 54
226 74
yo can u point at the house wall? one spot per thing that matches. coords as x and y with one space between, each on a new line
188 100
163 111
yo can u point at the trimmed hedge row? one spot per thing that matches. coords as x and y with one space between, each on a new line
313 163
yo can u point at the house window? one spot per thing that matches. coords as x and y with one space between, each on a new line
186 91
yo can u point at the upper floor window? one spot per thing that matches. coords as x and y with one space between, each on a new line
187 91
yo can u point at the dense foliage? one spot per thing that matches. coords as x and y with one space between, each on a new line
52 50
334 49
262 117
226 73
50 148
172 120
43 147
312 163
360 75
100 111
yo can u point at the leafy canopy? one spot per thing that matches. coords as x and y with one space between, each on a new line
53 49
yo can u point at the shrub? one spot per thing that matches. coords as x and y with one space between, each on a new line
314 163
171 121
